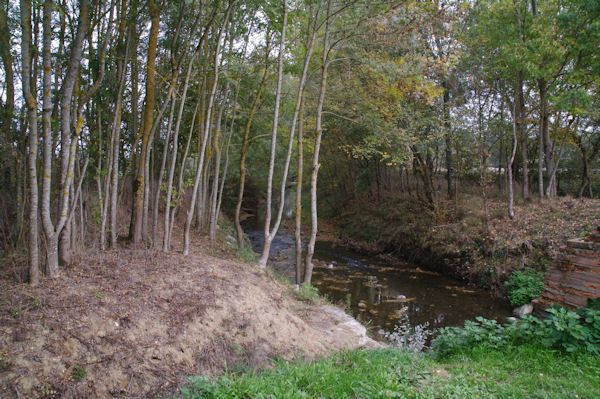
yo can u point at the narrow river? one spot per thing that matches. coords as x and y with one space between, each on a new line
382 294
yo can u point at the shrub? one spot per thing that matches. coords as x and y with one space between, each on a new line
409 338
562 329
522 288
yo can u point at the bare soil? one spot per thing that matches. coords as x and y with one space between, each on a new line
137 323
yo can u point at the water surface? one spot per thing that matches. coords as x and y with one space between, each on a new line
385 294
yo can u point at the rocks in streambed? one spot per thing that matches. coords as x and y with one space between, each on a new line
523 310
348 329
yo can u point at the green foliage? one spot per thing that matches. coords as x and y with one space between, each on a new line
349 304
562 329
99 295
309 293
574 330
524 372
15 312
522 288
246 254
79 373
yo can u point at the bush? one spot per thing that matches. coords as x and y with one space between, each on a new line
407 337
563 329
522 288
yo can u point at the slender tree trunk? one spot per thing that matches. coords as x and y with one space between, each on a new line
141 178
7 60
158 182
523 138
543 127
585 174
211 99
225 168
558 159
310 249
213 217
31 102
509 164
51 236
167 236
483 166
269 233
180 189
299 178
448 140
68 139
244 151
115 148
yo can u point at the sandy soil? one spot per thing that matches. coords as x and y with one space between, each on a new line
136 323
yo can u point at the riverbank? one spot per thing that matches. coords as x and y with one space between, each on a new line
515 372
451 238
137 323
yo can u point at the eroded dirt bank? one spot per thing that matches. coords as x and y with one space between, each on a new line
452 239
135 323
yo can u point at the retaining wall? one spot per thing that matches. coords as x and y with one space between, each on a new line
575 274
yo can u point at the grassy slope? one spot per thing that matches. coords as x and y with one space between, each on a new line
523 372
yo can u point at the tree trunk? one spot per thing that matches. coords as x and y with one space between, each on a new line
509 165
269 233
163 163
244 151
27 85
448 140
299 178
211 99
141 179
170 176
180 189
310 249
115 148
68 138
212 228
523 138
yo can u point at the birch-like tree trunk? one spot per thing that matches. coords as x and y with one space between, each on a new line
244 149
180 189
69 136
27 86
299 178
310 249
269 234
211 99
167 237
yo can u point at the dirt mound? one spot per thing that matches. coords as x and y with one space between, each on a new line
134 323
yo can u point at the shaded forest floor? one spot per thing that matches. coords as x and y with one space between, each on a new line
137 323
451 237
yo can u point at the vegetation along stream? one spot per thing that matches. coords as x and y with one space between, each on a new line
385 294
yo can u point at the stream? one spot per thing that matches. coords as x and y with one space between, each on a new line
384 294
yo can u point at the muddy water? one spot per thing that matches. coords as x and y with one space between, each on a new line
384 294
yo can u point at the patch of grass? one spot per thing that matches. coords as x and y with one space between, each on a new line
99 295
246 254
79 373
310 294
515 372
15 312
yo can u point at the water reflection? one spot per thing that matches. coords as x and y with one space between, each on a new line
382 294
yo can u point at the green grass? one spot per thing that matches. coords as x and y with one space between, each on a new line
516 372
